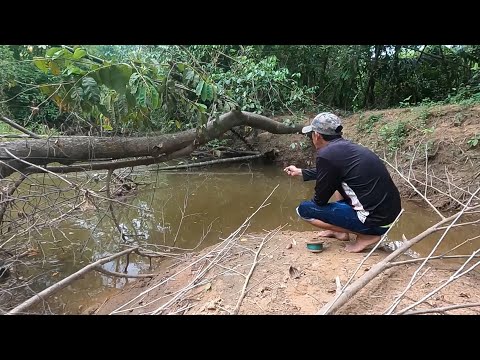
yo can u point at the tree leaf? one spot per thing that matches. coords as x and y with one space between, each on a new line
47 89
208 92
202 108
104 74
41 64
213 92
190 74
76 93
181 67
51 51
54 68
72 69
57 99
119 77
79 53
141 96
133 82
294 272
59 54
204 92
131 102
199 88
90 89
155 98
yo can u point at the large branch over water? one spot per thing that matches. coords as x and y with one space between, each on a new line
68 150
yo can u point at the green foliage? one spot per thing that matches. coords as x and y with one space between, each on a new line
423 117
19 92
467 95
170 95
293 121
126 94
171 88
7 129
216 143
368 124
405 102
262 86
458 119
7 75
474 141
300 144
394 134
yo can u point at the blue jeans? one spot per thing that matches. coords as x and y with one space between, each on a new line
338 213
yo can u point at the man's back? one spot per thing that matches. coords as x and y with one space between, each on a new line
363 181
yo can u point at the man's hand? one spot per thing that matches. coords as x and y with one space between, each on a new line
292 170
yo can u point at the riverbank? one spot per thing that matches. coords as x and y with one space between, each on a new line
428 144
288 279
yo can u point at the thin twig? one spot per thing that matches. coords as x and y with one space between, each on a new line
452 278
327 307
225 244
38 167
18 127
211 162
399 297
117 274
462 243
65 282
415 189
431 258
442 309
378 268
254 264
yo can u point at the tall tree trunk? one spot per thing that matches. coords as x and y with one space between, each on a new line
394 79
322 80
369 99
445 69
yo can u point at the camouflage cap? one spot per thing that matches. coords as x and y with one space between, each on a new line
325 123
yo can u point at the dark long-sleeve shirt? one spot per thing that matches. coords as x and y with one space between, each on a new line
360 177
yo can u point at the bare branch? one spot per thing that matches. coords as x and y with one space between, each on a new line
442 309
6 196
328 306
431 258
415 189
36 166
254 264
211 162
18 127
117 274
65 282
458 215
378 268
225 246
452 278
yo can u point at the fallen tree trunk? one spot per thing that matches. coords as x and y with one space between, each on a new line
68 150
211 162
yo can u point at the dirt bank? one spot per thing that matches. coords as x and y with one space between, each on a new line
442 135
288 279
